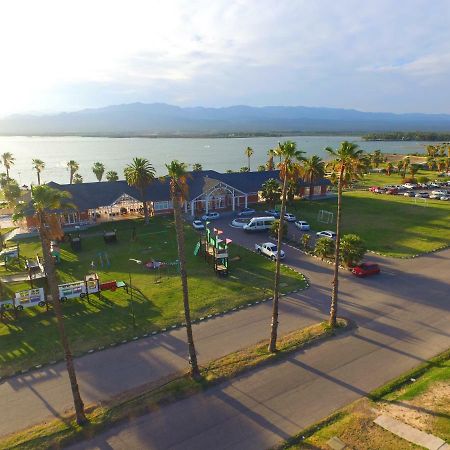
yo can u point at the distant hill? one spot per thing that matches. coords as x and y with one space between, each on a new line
140 119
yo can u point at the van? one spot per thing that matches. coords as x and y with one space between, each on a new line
259 224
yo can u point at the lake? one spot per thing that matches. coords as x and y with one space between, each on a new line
213 153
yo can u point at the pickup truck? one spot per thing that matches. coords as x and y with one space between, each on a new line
269 249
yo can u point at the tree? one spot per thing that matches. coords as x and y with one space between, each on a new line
72 167
270 165
248 153
229 171
413 169
432 151
44 200
400 165
389 168
139 174
8 161
441 164
179 194
111 176
324 247
3 180
313 169
346 167
447 164
262 168
431 162
289 171
244 169
99 169
305 241
77 179
353 249
377 158
271 191
292 190
197 167
275 227
12 192
38 166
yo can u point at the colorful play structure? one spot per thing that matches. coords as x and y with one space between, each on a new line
215 249
76 289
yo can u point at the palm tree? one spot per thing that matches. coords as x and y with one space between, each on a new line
112 176
432 150
99 169
377 158
139 174
270 165
197 167
249 153
8 161
77 179
289 171
400 165
413 169
313 169
72 167
346 167
271 191
44 200
431 162
441 164
389 168
38 166
179 194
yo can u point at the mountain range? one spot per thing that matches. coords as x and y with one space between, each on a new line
159 119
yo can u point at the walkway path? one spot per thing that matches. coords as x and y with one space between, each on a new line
403 317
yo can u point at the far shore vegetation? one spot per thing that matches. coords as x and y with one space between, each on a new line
407 136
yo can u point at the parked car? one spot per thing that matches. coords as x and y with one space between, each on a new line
392 191
445 197
366 269
374 188
246 212
211 216
302 225
327 234
198 225
439 192
410 185
409 194
240 222
273 213
269 249
422 195
259 224
434 196
289 217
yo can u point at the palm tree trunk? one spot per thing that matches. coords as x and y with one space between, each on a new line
249 163
195 372
310 188
276 290
52 283
39 177
334 294
71 176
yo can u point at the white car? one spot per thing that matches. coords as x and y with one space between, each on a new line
289 217
211 216
439 192
435 196
444 197
302 225
269 249
410 185
326 234
198 225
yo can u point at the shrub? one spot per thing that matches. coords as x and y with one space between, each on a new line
409 180
352 249
324 247
305 241
423 179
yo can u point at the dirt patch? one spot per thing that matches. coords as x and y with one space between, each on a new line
423 409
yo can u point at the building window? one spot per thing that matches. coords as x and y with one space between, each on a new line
158 206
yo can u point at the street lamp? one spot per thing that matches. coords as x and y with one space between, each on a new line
137 261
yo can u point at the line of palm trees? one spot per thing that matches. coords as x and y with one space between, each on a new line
347 165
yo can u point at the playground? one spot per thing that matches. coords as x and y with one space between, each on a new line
144 256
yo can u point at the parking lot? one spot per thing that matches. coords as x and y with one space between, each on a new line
433 190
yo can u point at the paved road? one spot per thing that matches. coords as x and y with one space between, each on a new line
403 317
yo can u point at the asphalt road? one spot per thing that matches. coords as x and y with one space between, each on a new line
403 317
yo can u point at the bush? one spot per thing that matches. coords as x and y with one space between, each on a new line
423 179
409 180
274 229
352 249
305 241
324 247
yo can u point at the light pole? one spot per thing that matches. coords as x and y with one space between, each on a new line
133 317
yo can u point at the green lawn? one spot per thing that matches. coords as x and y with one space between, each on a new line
32 339
380 179
390 224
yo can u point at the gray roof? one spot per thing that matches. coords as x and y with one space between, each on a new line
97 194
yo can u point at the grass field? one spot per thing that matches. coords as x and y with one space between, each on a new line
32 339
423 404
389 224
380 179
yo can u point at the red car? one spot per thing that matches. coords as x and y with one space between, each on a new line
366 269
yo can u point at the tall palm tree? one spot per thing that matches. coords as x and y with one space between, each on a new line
38 166
313 169
77 179
112 175
400 165
179 193
72 167
197 167
99 169
270 165
289 171
8 161
139 174
44 200
432 150
413 169
249 153
389 168
346 167
431 162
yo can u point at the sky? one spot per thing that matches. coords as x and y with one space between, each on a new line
375 55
